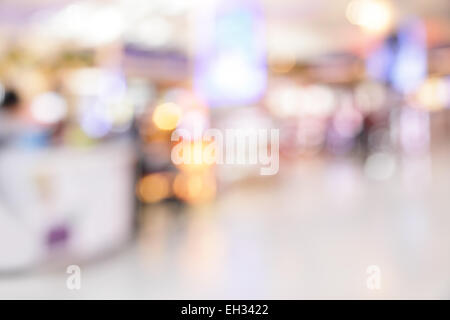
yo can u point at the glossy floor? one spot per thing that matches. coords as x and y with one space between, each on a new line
310 232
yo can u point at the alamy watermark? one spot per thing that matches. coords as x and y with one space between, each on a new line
373 281
73 281
231 146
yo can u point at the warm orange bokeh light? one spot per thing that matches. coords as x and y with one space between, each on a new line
195 188
153 188
167 116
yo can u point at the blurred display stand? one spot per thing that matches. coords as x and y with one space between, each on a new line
65 203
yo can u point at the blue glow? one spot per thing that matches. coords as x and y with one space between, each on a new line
402 59
94 120
230 63
411 62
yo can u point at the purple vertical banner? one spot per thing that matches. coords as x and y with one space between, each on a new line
230 54
402 59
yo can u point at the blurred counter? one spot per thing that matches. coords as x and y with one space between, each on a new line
64 203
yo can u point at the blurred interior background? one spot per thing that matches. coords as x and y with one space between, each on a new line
91 92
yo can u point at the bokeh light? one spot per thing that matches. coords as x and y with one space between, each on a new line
371 15
166 116
153 188
49 108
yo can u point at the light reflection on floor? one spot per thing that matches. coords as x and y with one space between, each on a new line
311 232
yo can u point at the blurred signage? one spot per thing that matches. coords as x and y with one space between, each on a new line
230 57
402 59
155 64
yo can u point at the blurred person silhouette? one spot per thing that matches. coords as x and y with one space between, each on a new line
16 127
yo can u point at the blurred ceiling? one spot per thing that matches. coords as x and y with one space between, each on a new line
302 28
